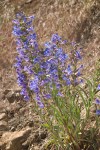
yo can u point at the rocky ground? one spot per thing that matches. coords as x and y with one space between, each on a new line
20 127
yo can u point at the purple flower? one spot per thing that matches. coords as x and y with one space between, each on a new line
47 52
15 21
55 38
77 82
60 94
58 86
25 94
78 74
47 96
37 97
21 79
45 81
78 55
40 73
41 105
28 69
67 80
97 101
98 88
53 69
37 59
26 97
69 70
73 43
18 65
34 84
32 36
98 112
30 29
38 100
81 67
48 45
63 57
31 17
20 15
29 23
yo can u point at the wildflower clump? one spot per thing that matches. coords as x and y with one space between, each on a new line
52 76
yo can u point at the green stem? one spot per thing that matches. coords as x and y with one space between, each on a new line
73 140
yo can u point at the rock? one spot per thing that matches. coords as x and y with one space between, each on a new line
31 123
14 140
6 92
25 145
12 96
72 2
2 107
3 116
37 138
43 135
12 129
3 126
28 1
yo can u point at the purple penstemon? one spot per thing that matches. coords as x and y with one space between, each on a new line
98 112
37 70
51 76
98 88
97 102
27 48
54 57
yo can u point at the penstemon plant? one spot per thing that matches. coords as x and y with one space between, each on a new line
52 78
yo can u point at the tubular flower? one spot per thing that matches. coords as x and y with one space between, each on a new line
40 71
27 49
